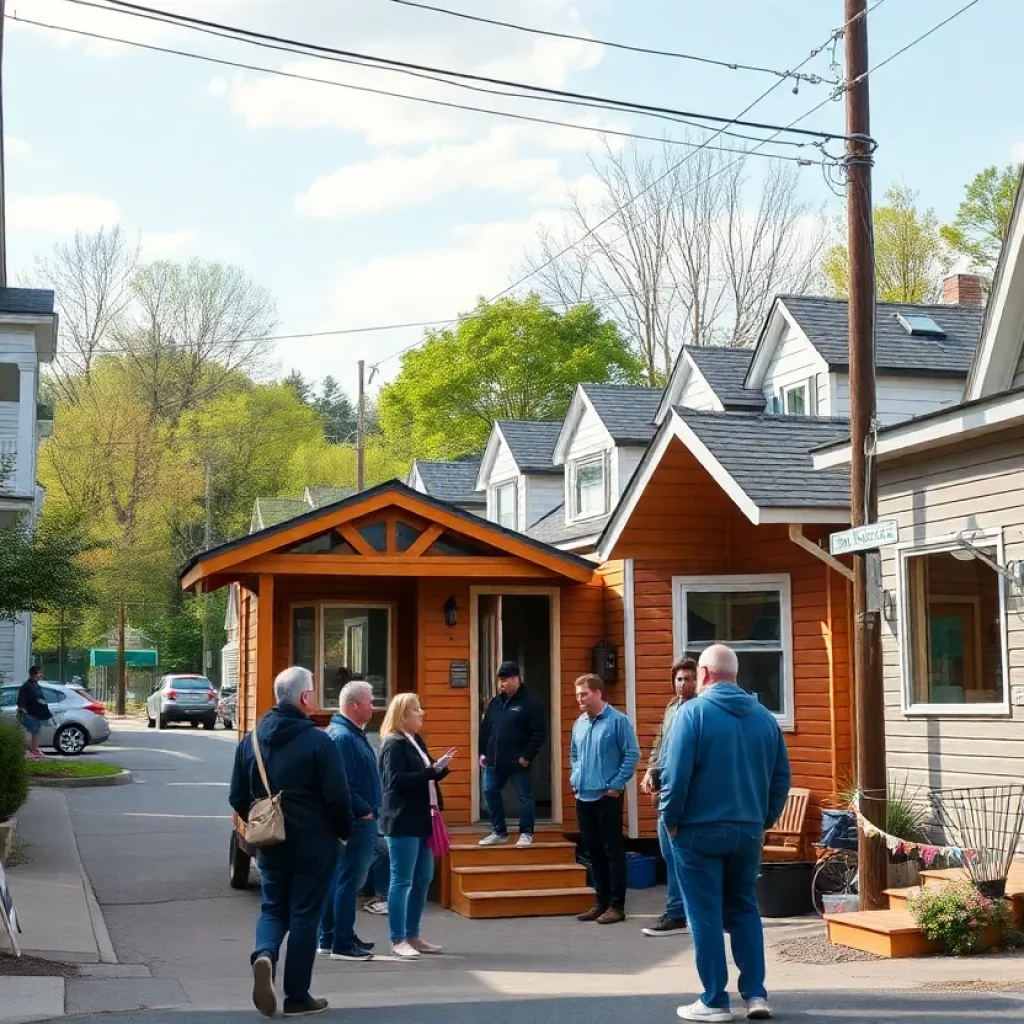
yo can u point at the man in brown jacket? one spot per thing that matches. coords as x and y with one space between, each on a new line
684 684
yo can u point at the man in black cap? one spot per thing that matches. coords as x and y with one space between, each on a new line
511 735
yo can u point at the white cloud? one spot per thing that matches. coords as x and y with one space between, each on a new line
15 147
393 181
1017 153
161 245
60 214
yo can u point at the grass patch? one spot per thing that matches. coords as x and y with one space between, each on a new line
53 769
19 853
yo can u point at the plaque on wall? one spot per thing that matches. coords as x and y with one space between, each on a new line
458 675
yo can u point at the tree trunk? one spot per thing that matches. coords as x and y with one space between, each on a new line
121 669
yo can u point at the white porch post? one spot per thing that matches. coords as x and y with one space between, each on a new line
25 471
22 647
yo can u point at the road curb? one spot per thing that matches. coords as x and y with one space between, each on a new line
122 778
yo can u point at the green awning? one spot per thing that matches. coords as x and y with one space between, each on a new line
140 659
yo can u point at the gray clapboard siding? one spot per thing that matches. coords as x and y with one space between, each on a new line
970 486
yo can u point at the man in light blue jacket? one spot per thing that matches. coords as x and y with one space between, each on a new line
603 756
725 779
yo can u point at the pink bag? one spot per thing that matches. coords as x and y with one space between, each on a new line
439 842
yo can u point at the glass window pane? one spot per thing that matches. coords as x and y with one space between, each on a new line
955 630
590 489
376 535
505 505
8 696
405 536
761 673
356 639
734 617
304 638
796 402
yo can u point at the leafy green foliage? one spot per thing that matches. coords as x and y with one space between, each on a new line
956 916
13 769
511 359
51 769
910 258
906 813
983 218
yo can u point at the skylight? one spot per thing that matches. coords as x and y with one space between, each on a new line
919 325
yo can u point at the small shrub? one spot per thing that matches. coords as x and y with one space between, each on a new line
13 770
956 915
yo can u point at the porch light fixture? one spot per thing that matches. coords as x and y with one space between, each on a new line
451 612
1010 572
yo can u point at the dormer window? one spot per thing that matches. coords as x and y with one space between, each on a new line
920 326
504 511
589 487
794 400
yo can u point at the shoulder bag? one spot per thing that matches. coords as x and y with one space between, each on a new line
265 826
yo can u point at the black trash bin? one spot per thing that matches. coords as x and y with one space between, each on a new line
784 889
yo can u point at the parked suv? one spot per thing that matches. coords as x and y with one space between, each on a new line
227 706
183 698
78 719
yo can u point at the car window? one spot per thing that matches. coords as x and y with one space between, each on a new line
191 683
8 696
52 695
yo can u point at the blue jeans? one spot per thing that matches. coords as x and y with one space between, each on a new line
494 782
294 877
382 870
338 921
718 867
412 871
674 905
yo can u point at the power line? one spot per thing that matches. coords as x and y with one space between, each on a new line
802 161
613 44
543 92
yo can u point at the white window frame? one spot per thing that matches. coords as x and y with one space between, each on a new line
585 461
778 582
324 606
805 387
906 550
495 516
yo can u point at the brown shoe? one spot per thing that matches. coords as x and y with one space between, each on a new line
612 916
592 914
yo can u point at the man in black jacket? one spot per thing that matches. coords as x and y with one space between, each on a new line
304 766
511 735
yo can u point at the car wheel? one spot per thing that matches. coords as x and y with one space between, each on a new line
70 740
238 864
195 724
150 722
163 721
228 724
210 723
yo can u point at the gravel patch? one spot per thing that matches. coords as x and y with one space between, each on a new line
967 987
34 967
816 949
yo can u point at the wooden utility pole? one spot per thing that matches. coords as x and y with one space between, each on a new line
361 430
3 176
207 544
867 660
121 667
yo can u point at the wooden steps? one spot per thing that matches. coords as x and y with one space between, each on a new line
509 881
894 932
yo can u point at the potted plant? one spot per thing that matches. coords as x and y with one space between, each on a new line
961 920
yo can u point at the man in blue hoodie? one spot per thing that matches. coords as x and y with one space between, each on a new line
303 765
338 924
725 779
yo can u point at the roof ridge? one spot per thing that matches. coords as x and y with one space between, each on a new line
845 302
751 416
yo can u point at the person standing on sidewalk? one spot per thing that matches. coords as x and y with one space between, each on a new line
304 766
338 937
725 779
603 756
684 684
511 735
33 711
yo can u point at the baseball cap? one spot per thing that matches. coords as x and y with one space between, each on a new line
507 670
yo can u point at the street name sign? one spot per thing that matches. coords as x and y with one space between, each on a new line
869 537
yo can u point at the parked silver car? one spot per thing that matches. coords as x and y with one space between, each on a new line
78 721
227 706
183 698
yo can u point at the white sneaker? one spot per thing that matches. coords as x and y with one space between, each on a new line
422 946
758 1009
525 839
701 1011
405 952
378 907
493 840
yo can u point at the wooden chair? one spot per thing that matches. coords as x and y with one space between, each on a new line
785 840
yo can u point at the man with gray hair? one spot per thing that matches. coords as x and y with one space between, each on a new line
303 765
725 779
338 937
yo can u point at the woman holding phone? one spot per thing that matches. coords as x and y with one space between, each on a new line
410 777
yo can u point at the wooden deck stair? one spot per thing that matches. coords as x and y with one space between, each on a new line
894 932
541 880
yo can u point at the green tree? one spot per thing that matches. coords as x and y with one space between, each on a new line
336 410
910 258
983 218
512 359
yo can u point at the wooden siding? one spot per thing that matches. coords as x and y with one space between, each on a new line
901 398
977 485
684 525
7 651
696 393
543 492
1018 374
625 461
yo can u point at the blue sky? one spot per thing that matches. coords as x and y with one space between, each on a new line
359 210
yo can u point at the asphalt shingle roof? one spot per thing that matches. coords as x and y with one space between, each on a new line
626 410
825 323
553 529
770 456
532 444
725 370
454 482
324 495
276 510
26 300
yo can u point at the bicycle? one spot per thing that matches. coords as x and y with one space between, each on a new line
837 872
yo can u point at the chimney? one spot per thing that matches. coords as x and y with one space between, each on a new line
962 290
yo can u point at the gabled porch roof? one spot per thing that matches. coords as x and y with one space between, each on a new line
389 530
